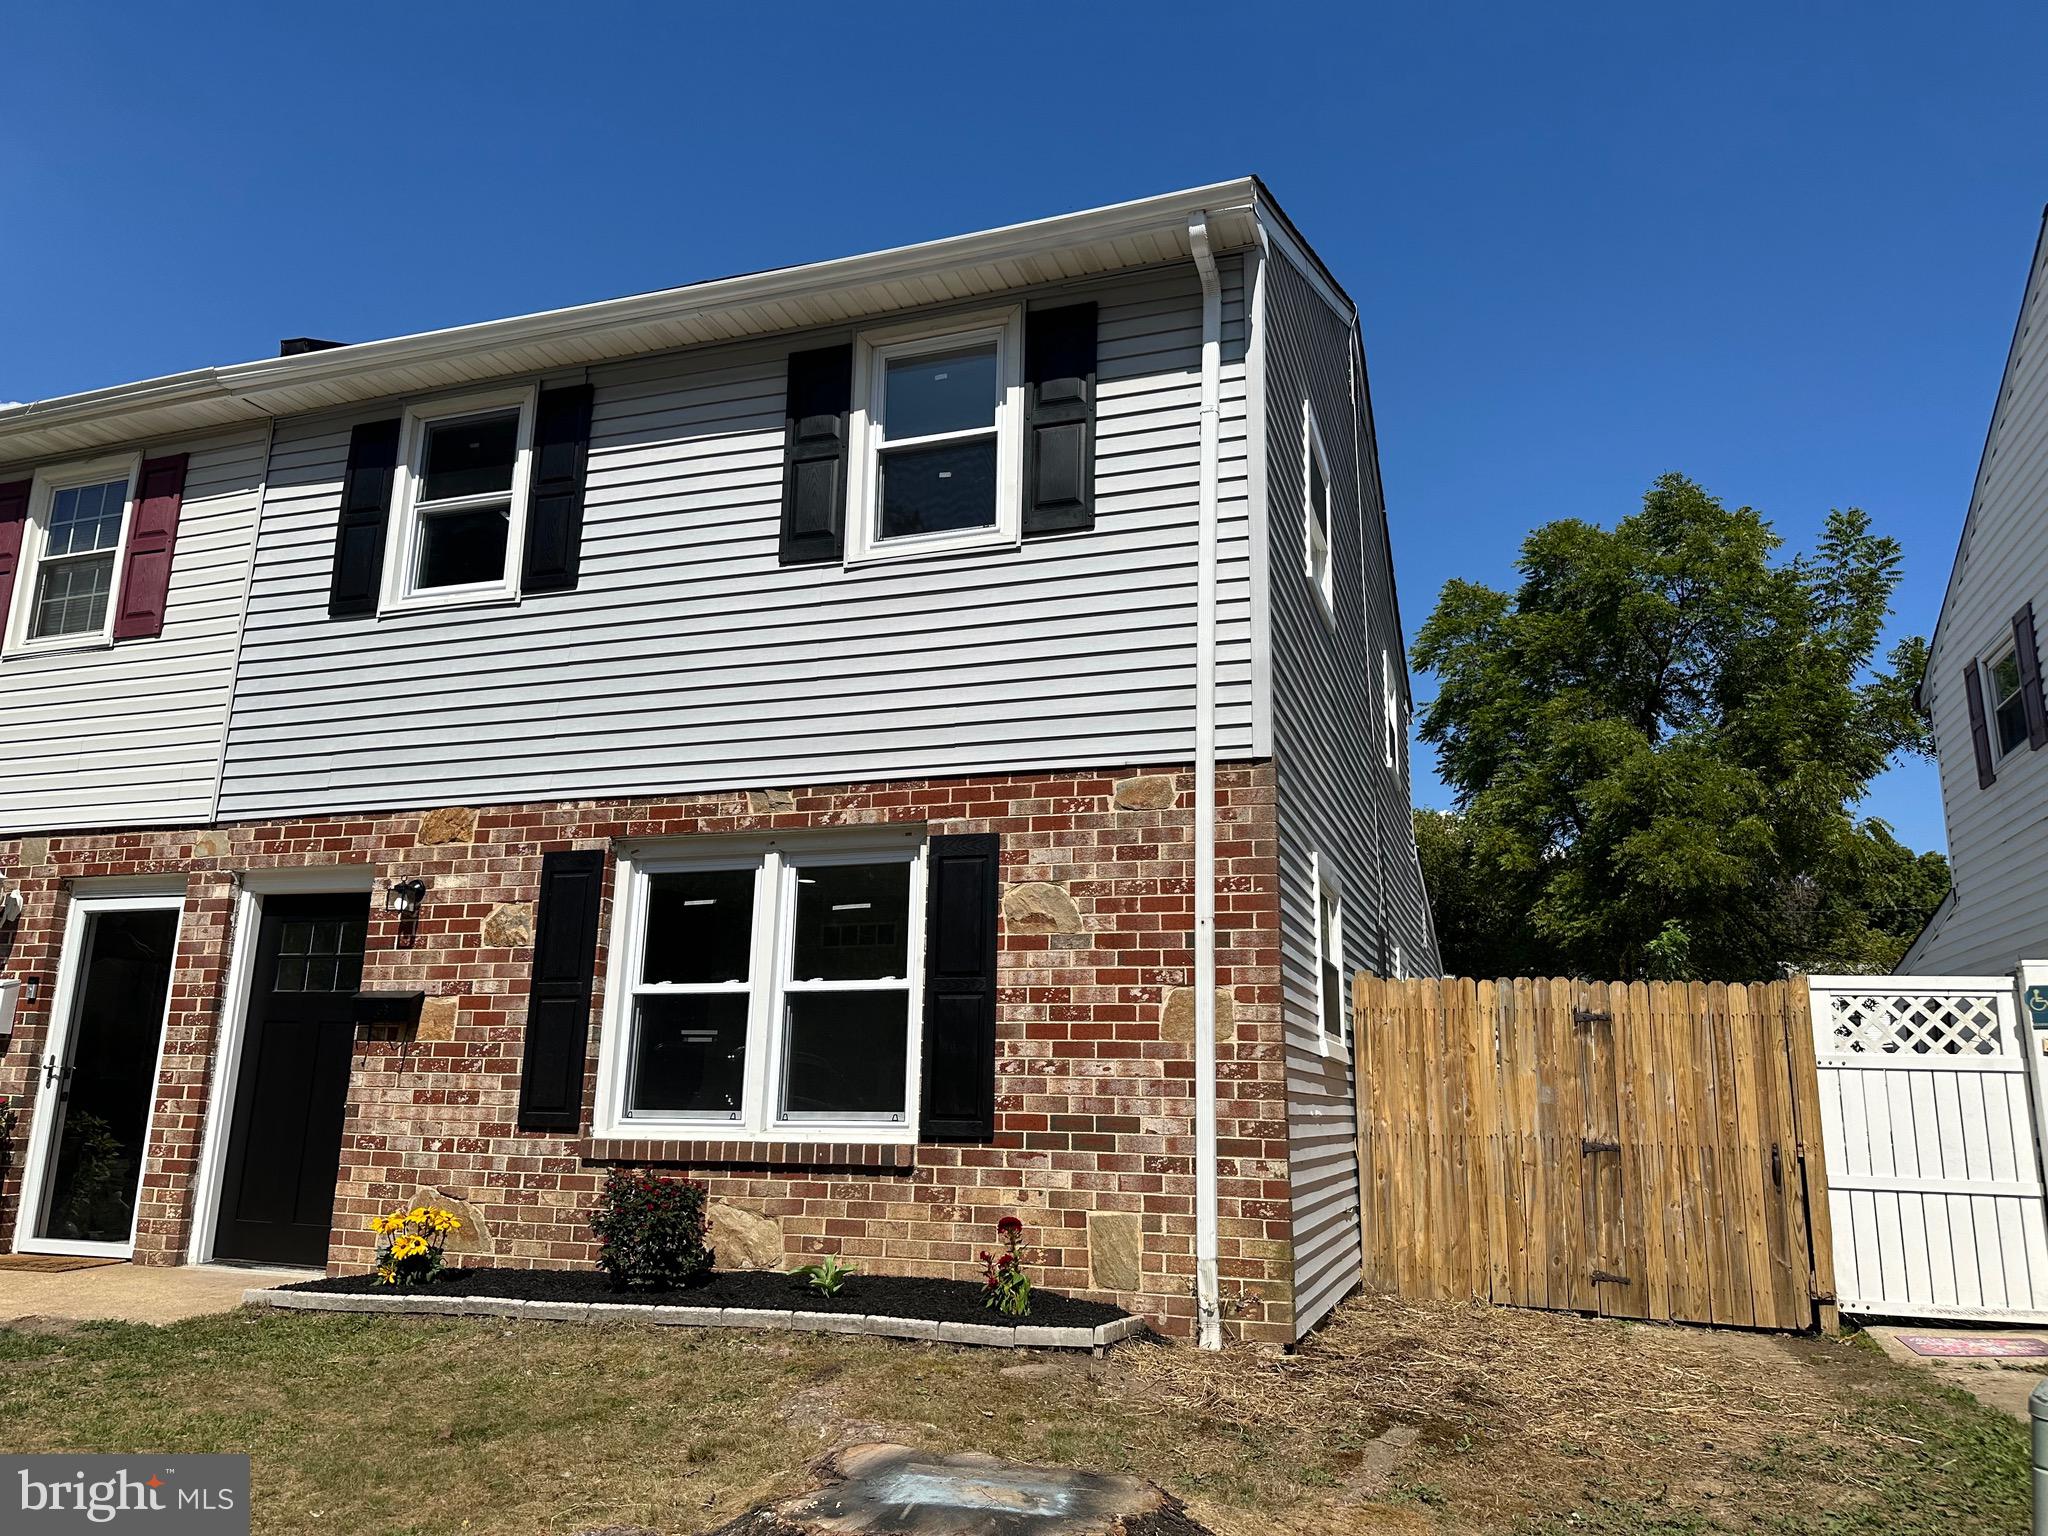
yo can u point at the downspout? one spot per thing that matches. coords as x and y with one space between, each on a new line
1208 1287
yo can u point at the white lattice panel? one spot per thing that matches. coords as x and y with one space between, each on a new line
1915 1023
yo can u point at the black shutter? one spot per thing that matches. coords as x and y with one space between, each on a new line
2030 678
1059 436
554 508
365 504
1980 735
959 1099
819 396
558 1001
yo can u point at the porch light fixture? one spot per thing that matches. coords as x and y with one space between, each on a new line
404 896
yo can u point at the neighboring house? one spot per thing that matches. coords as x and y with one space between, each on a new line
765 729
1983 684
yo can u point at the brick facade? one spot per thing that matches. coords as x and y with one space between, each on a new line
1095 1056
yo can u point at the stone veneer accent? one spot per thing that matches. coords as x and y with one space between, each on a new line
1094 1075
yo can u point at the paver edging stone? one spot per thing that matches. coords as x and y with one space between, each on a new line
983 1335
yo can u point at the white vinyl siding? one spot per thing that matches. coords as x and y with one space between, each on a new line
1339 808
1997 836
130 734
689 660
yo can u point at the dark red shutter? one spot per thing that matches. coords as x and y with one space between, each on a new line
818 397
2029 657
1980 733
146 573
13 519
558 998
959 1060
1059 434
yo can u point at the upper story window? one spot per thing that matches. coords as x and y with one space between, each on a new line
936 437
1390 709
769 992
71 555
1331 1014
2005 698
460 502
1315 478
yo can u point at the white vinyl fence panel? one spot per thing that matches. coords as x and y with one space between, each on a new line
1934 1170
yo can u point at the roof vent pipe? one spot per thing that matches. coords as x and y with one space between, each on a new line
296 346
1208 1287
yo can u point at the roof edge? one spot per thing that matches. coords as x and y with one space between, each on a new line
249 382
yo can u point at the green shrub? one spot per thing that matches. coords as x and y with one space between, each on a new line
650 1231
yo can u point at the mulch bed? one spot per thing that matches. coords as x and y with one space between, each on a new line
942 1301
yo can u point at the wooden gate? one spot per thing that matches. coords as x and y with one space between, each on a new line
1635 1150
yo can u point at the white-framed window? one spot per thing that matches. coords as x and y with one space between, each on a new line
1315 480
2004 703
1332 1010
766 990
79 515
458 524
937 442
1390 709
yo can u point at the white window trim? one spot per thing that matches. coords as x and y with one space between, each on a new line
873 349
1321 577
769 962
1987 681
1390 706
402 536
1323 883
39 1166
35 534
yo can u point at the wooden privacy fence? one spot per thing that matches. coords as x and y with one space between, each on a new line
1635 1150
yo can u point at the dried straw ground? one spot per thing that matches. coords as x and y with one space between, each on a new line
1393 1418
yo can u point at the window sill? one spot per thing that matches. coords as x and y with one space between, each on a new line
987 542
740 1152
397 607
66 647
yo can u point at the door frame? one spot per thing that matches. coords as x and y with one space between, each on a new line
210 1173
57 1043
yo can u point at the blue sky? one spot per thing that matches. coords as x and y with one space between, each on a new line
1776 247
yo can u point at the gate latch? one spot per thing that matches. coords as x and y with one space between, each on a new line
1588 1145
1608 1277
1584 1017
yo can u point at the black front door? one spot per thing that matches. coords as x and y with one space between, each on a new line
277 1199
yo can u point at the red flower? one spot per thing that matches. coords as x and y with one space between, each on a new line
1006 1261
1009 1226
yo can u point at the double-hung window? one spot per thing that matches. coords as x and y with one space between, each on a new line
937 437
460 503
770 992
71 560
2003 696
1331 1012
1315 479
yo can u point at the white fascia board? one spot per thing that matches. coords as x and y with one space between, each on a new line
359 371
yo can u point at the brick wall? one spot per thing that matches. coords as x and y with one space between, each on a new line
1095 1056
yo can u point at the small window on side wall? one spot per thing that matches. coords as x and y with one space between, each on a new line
2005 697
1332 1016
460 503
78 522
1315 479
937 440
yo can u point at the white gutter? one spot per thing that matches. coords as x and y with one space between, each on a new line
1208 1286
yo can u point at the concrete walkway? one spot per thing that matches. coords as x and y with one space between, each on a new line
2001 1384
130 1293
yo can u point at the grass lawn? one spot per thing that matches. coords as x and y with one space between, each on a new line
1525 1423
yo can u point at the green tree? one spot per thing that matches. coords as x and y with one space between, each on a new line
1656 744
